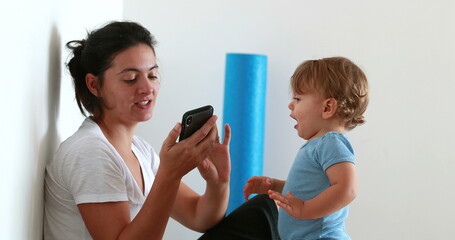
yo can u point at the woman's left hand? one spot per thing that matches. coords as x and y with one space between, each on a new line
217 167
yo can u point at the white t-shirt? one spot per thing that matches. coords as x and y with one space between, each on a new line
87 169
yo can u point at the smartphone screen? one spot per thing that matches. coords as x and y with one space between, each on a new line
193 120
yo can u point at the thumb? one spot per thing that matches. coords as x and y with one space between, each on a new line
227 134
172 137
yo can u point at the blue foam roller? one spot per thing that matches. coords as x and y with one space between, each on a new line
244 111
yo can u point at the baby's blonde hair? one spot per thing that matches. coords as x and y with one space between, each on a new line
337 78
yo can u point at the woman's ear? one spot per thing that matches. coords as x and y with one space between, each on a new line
92 83
330 108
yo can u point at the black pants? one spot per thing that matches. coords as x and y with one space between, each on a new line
253 220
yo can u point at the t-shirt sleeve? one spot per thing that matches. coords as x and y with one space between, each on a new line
93 174
335 149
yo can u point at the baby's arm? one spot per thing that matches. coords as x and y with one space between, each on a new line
342 190
261 185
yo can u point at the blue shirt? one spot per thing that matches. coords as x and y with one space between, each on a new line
307 179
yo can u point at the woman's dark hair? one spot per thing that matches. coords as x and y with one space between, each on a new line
95 55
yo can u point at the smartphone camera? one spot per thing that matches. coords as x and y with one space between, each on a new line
194 120
189 120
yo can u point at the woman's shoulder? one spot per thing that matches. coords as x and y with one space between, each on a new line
86 150
88 135
88 140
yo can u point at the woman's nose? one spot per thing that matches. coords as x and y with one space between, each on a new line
146 86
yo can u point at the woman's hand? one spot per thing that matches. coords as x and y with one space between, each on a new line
201 212
216 167
178 158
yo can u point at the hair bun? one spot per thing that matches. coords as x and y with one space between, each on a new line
77 46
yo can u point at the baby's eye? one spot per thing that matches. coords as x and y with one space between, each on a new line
129 80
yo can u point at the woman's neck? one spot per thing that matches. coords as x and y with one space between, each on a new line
118 134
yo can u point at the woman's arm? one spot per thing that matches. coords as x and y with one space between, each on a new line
111 220
202 212
343 190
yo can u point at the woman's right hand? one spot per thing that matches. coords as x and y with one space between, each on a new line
179 158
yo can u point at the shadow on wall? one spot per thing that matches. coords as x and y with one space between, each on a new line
50 141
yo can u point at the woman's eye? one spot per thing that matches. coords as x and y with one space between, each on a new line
130 80
155 79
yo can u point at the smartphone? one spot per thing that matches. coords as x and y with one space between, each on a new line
194 119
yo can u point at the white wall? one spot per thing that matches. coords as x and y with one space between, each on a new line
36 90
405 162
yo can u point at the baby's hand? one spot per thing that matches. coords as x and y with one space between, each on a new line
257 184
292 205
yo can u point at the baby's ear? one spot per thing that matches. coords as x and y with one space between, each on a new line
330 108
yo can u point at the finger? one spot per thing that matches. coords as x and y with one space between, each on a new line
250 186
290 195
246 187
246 195
205 130
246 191
285 207
272 195
268 183
209 139
277 196
217 138
253 179
227 134
204 147
172 137
281 201
257 185
250 179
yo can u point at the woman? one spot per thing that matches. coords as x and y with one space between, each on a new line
106 183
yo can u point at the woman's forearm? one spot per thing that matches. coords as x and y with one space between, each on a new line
151 221
211 206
